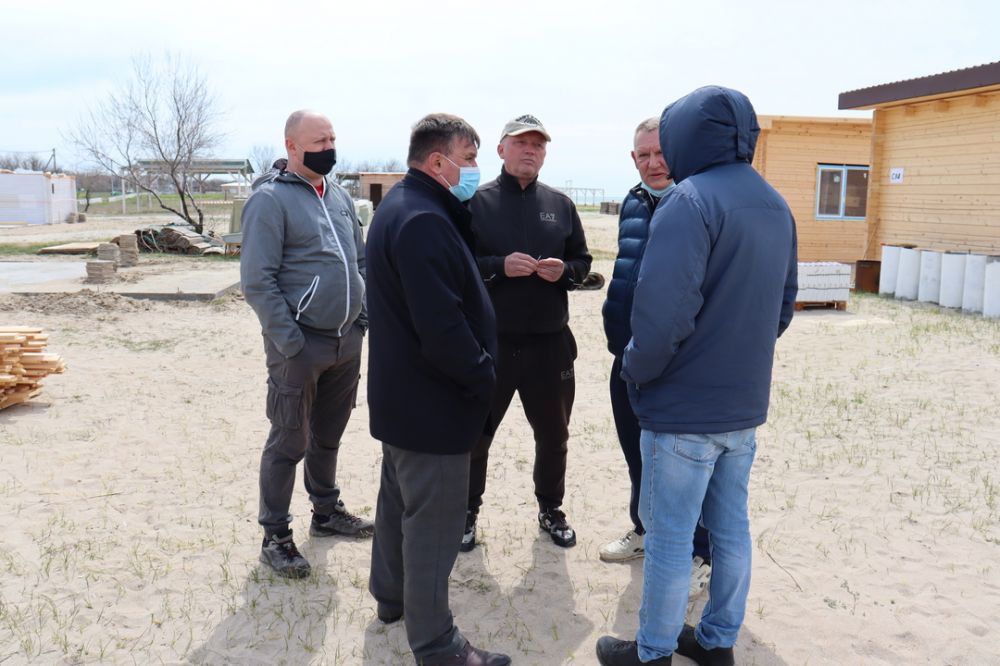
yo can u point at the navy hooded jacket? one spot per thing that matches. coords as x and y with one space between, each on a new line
718 277
633 230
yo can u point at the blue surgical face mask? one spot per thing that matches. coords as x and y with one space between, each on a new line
659 194
468 181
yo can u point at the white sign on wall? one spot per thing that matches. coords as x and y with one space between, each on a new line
896 175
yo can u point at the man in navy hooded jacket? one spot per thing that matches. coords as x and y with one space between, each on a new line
716 288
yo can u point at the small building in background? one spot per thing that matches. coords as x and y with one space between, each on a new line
820 166
370 185
35 197
935 164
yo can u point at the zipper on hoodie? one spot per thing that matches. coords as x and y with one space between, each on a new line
347 269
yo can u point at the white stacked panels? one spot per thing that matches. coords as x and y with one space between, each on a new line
823 281
952 279
890 267
908 276
991 290
929 286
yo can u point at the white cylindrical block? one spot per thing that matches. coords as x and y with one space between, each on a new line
929 287
972 287
908 274
991 290
952 279
889 269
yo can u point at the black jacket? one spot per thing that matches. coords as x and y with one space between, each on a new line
539 221
432 336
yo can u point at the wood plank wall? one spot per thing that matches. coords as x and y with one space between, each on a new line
787 156
949 198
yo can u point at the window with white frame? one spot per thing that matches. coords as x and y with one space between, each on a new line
841 192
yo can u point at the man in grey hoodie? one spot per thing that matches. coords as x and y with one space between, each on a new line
303 272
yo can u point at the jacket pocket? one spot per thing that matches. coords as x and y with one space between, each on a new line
284 404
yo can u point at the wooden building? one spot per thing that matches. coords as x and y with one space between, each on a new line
820 166
371 185
935 167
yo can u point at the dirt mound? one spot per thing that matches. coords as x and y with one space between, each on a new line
84 302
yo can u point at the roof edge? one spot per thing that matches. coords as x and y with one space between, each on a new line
980 76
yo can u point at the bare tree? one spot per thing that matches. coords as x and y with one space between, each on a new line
28 162
262 157
92 181
154 127
393 166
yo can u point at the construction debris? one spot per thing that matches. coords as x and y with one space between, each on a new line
100 271
24 363
181 239
109 252
70 248
128 245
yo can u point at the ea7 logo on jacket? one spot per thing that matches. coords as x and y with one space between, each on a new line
547 217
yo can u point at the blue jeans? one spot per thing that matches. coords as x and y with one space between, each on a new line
684 476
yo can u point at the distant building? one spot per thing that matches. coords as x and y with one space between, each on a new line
371 185
820 166
35 197
935 165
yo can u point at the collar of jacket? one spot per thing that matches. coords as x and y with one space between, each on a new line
292 177
509 182
458 213
645 197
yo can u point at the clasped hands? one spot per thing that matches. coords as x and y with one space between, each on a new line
518 264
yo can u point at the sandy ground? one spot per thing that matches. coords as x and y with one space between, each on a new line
130 493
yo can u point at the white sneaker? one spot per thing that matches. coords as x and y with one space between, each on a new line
701 573
628 547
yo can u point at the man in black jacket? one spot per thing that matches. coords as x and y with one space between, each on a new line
531 250
430 379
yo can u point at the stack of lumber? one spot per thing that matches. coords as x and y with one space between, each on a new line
100 270
109 252
129 248
177 239
24 363
610 207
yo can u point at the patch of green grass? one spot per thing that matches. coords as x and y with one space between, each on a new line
25 248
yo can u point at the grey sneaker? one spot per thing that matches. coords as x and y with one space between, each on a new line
469 536
280 554
554 522
340 522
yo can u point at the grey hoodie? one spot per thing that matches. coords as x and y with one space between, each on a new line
302 259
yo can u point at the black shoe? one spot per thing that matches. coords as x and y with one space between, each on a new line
280 554
340 522
467 656
469 537
688 645
554 522
614 652
388 614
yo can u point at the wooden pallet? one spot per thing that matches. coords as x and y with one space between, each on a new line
820 305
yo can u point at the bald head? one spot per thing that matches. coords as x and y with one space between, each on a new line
307 132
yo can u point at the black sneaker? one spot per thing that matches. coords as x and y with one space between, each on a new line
554 522
340 522
467 656
469 537
614 652
280 554
688 645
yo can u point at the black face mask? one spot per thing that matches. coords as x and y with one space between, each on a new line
321 161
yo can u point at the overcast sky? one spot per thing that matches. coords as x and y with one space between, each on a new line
589 70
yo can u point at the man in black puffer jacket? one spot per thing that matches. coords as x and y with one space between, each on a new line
531 251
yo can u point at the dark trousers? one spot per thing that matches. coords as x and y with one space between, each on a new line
419 520
629 433
540 369
309 400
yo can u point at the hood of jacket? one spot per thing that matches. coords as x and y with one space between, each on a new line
706 128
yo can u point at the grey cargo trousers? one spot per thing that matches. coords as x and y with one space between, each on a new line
309 401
